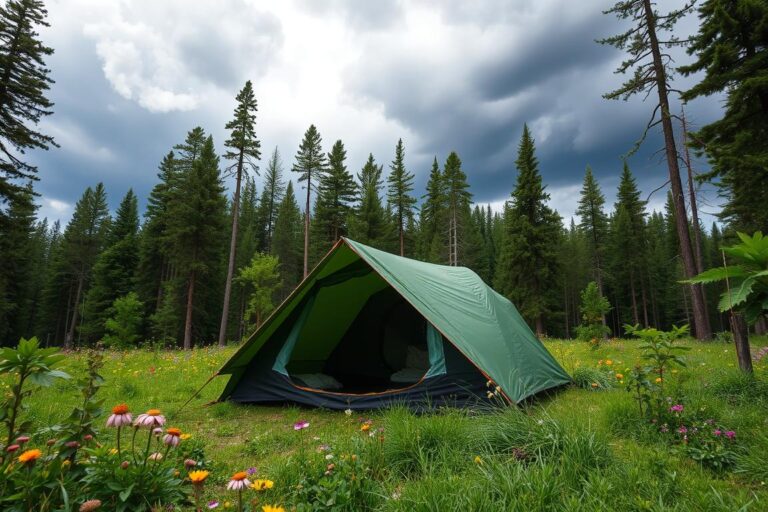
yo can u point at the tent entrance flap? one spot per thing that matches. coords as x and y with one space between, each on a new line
285 353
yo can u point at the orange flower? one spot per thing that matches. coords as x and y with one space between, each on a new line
240 475
30 456
198 477
173 431
120 409
153 412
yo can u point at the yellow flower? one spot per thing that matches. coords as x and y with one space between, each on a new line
113 451
30 456
608 362
184 437
365 427
478 460
658 380
619 376
198 477
272 508
227 504
594 384
262 485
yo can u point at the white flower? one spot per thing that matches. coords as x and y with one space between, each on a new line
348 412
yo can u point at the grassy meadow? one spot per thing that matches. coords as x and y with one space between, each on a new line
584 448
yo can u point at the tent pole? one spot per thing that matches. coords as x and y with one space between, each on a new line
197 393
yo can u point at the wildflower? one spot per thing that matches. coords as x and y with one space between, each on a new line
152 418
478 460
658 380
171 437
87 437
198 478
185 437
600 363
125 464
300 425
272 508
682 430
121 416
365 427
329 456
676 408
113 451
50 442
12 448
348 412
619 376
157 456
594 384
251 471
323 448
189 463
730 434
90 505
239 481
262 485
22 439
717 432
72 444
213 504
30 456
608 362
664 429
489 394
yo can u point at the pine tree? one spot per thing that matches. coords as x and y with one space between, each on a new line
196 220
594 223
311 163
188 152
432 218
370 224
527 267
24 82
731 49
400 186
271 197
249 242
651 70
457 199
244 149
336 194
287 242
114 270
82 243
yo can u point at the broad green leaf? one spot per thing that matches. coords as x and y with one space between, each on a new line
735 296
717 274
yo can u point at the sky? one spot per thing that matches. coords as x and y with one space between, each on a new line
134 76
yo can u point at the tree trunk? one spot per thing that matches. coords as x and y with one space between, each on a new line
539 326
306 226
70 336
701 319
232 251
761 326
741 340
402 238
567 320
188 320
635 315
645 303
697 251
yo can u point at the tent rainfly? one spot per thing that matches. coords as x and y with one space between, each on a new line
367 329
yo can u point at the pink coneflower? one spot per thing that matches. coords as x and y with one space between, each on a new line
300 425
682 430
157 432
22 439
676 408
213 504
730 434
12 448
171 437
717 432
239 481
120 416
152 418
90 505
157 456
189 463
72 444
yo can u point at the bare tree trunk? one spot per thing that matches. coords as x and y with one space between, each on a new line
70 336
402 238
741 340
188 320
701 319
697 251
306 226
232 251
635 315
567 320
539 326
645 303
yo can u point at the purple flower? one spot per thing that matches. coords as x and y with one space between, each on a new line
251 471
300 425
682 430
730 434
213 504
717 432
676 408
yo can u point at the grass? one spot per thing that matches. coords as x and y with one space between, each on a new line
584 448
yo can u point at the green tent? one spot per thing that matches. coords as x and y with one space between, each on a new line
367 328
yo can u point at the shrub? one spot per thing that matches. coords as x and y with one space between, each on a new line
124 326
594 378
593 310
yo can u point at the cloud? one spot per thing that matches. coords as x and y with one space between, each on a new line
72 138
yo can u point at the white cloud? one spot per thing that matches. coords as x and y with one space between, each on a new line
72 138
54 209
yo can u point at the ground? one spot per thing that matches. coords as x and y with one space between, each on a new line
579 449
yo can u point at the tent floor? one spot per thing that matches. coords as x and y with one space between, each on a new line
365 386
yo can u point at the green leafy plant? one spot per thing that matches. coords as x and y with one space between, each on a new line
124 326
29 364
593 310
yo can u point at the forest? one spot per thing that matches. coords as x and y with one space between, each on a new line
160 276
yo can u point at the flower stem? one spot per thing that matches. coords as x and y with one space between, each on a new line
118 440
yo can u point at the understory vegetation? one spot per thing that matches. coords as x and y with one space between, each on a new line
701 446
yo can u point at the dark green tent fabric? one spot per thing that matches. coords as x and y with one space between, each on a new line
483 325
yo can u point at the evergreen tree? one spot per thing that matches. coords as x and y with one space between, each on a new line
731 50
594 224
24 82
336 193
311 163
188 152
244 149
271 197
16 272
457 199
262 277
370 224
114 270
575 266
400 186
249 239
196 220
432 218
650 68
527 267
287 242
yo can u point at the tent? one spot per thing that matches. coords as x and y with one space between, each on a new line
367 329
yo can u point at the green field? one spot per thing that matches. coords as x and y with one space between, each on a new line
580 449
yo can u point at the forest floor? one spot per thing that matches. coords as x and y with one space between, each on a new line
584 448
